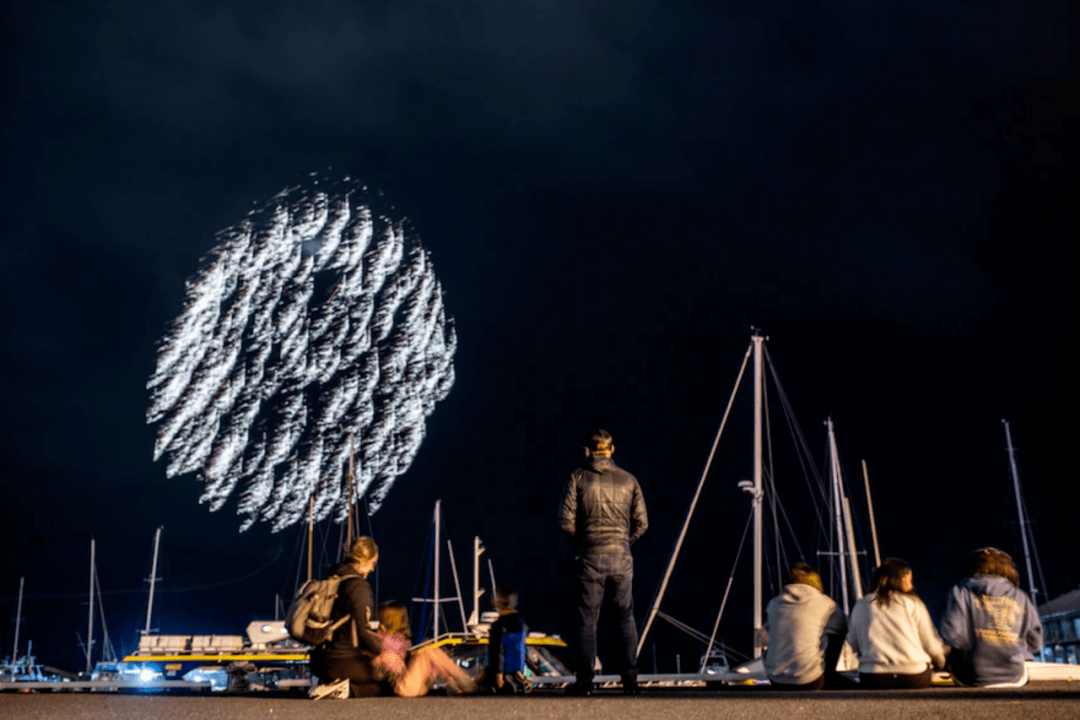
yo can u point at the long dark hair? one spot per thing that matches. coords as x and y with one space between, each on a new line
888 578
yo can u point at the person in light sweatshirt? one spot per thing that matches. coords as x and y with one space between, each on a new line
991 624
891 631
806 633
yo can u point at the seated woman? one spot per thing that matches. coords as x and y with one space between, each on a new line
344 663
890 629
991 624
411 674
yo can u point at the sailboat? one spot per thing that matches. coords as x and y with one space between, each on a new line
1061 616
831 507
265 658
24 672
842 553
17 669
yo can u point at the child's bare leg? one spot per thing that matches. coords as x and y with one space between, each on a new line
443 665
447 669
417 678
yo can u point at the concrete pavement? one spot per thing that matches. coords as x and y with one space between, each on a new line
1046 701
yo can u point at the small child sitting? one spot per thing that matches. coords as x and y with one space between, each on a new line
506 666
411 674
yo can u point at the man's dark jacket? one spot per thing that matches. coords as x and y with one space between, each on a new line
602 508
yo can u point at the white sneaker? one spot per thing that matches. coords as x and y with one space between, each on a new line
337 690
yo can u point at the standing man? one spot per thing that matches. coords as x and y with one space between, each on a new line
603 512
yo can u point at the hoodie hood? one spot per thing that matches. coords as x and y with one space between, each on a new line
800 592
992 585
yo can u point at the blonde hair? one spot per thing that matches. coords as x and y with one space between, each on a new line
394 618
803 574
362 550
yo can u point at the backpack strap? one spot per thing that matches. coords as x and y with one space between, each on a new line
341 621
338 623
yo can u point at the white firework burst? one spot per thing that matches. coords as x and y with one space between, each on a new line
315 325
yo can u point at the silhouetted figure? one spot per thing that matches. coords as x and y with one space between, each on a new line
506 646
603 513
991 624
349 653
806 633
891 631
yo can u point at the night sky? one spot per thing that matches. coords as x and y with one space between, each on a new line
612 194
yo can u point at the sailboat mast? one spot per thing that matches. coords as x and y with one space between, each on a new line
870 507
457 586
853 556
478 550
153 579
310 538
834 472
1020 509
18 617
352 492
90 617
108 652
759 635
438 505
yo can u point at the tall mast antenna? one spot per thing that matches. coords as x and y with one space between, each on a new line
310 538
18 617
153 579
352 499
760 638
837 491
90 617
1020 509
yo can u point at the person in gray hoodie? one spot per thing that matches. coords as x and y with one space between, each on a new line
991 624
806 633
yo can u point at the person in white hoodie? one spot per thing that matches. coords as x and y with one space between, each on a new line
991 624
891 631
806 633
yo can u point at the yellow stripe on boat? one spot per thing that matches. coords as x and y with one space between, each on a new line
211 658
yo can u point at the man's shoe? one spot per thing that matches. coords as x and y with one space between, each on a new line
580 689
631 688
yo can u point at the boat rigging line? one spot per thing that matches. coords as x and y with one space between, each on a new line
762 487
690 512
727 590
1025 523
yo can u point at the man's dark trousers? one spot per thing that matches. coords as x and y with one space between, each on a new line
606 571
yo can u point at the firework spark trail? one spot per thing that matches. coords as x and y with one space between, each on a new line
312 319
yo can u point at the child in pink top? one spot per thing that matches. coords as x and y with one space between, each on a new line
411 674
